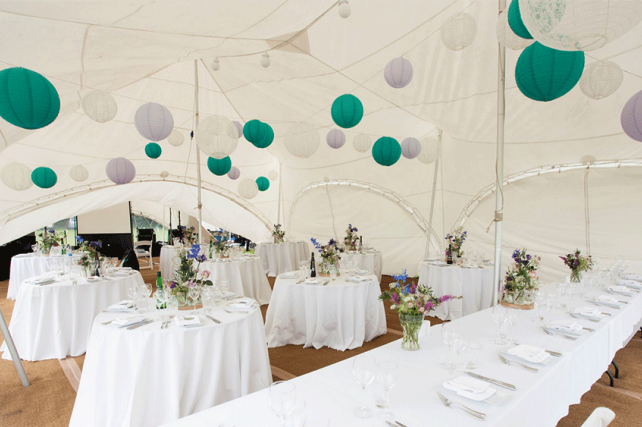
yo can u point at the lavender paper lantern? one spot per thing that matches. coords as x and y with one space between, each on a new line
154 121
410 148
632 117
239 127
234 173
398 73
120 170
335 139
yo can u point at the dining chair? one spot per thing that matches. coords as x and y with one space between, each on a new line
143 251
601 417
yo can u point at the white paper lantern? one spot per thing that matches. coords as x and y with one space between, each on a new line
588 160
234 173
398 73
99 106
215 65
507 37
601 79
79 173
335 138
429 150
362 143
410 148
176 138
302 140
458 31
239 127
153 121
272 175
344 9
579 24
265 60
164 174
217 137
16 176
248 188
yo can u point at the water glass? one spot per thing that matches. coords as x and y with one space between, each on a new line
363 370
386 378
279 393
294 414
472 352
450 335
500 315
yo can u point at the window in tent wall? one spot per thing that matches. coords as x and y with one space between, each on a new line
65 228
139 221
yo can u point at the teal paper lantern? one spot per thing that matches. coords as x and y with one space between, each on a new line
386 151
269 136
347 111
515 21
27 99
219 167
153 150
44 177
263 183
258 133
545 74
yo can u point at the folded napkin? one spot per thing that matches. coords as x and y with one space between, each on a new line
565 325
44 280
529 353
121 306
290 275
121 274
243 305
470 388
358 279
607 298
630 284
126 321
361 271
587 311
188 321
636 277
619 289
312 281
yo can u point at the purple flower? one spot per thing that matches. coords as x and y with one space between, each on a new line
395 298
429 306
201 258
445 298
172 284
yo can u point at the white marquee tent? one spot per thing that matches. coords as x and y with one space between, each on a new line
141 51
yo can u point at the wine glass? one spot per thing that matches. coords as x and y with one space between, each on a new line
293 413
500 316
450 335
363 370
225 286
279 393
194 292
132 291
146 290
386 377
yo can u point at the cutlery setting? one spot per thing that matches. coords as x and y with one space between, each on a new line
560 334
491 380
516 363
552 353
451 403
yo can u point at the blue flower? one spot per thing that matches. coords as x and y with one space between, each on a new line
201 258
79 240
194 251
332 242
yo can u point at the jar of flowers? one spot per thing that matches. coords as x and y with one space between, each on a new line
220 245
351 241
329 256
188 274
90 259
455 241
521 279
278 234
189 236
49 240
577 263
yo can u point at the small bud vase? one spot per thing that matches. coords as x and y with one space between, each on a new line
410 324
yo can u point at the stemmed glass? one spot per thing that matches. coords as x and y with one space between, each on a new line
225 286
450 335
386 377
293 413
279 393
132 291
194 292
363 370
500 316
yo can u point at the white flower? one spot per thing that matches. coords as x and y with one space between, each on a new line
393 306
408 298
392 285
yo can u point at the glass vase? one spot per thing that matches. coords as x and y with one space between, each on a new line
410 324
576 276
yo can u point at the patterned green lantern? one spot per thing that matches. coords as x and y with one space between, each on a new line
515 21
386 151
263 183
153 150
347 111
219 167
27 99
258 133
44 177
545 74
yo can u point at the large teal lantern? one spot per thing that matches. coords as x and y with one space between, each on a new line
515 21
545 74
153 150
386 151
263 183
219 167
347 111
258 133
44 177
27 99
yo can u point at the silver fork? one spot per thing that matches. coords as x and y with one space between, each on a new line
471 412
515 363
568 337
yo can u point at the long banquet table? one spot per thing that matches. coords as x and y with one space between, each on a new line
280 258
541 399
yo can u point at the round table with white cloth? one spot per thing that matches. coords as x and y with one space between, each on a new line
340 315
280 258
26 266
54 321
474 284
167 253
245 276
367 260
148 376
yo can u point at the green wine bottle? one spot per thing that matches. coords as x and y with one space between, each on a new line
159 288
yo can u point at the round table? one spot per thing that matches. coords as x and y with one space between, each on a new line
245 276
26 266
54 321
280 258
370 260
167 254
474 284
340 315
148 376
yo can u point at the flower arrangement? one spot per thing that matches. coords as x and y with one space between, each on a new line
49 239
351 241
219 243
329 254
89 250
278 234
189 236
187 273
456 240
577 263
521 278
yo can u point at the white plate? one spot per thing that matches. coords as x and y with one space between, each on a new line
545 362
495 399
93 279
569 333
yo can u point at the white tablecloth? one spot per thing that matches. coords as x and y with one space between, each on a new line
148 376
280 258
541 399
341 315
245 276
473 284
167 253
23 267
54 321
370 261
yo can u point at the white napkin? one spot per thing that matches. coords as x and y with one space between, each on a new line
470 388
44 280
565 325
637 277
587 311
529 353
358 279
290 275
630 283
121 274
361 271
607 298
312 281
240 306
121 306
188 321
622 289
125 321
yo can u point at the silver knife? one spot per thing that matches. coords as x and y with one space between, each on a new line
326 282
138 325
490 380
212 319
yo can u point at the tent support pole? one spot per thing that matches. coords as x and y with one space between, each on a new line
499 166
278 214
198 156
432 197
13 351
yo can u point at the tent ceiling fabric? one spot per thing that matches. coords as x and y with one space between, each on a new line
144 51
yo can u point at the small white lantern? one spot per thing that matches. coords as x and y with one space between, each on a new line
164 174
272 175
215 65
99 106
362 143
507 37
153 121
175 138
16 176
429 150
601 79
265 60
410 148
302 140
344 9
398 73
217 137
79 173
335 138
458 31
234 173
248 188
588 160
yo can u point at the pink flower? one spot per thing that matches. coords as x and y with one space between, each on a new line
205 274
410 305
421 310
532 274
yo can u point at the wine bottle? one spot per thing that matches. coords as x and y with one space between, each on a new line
313 268
360 243
159 288
449 255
